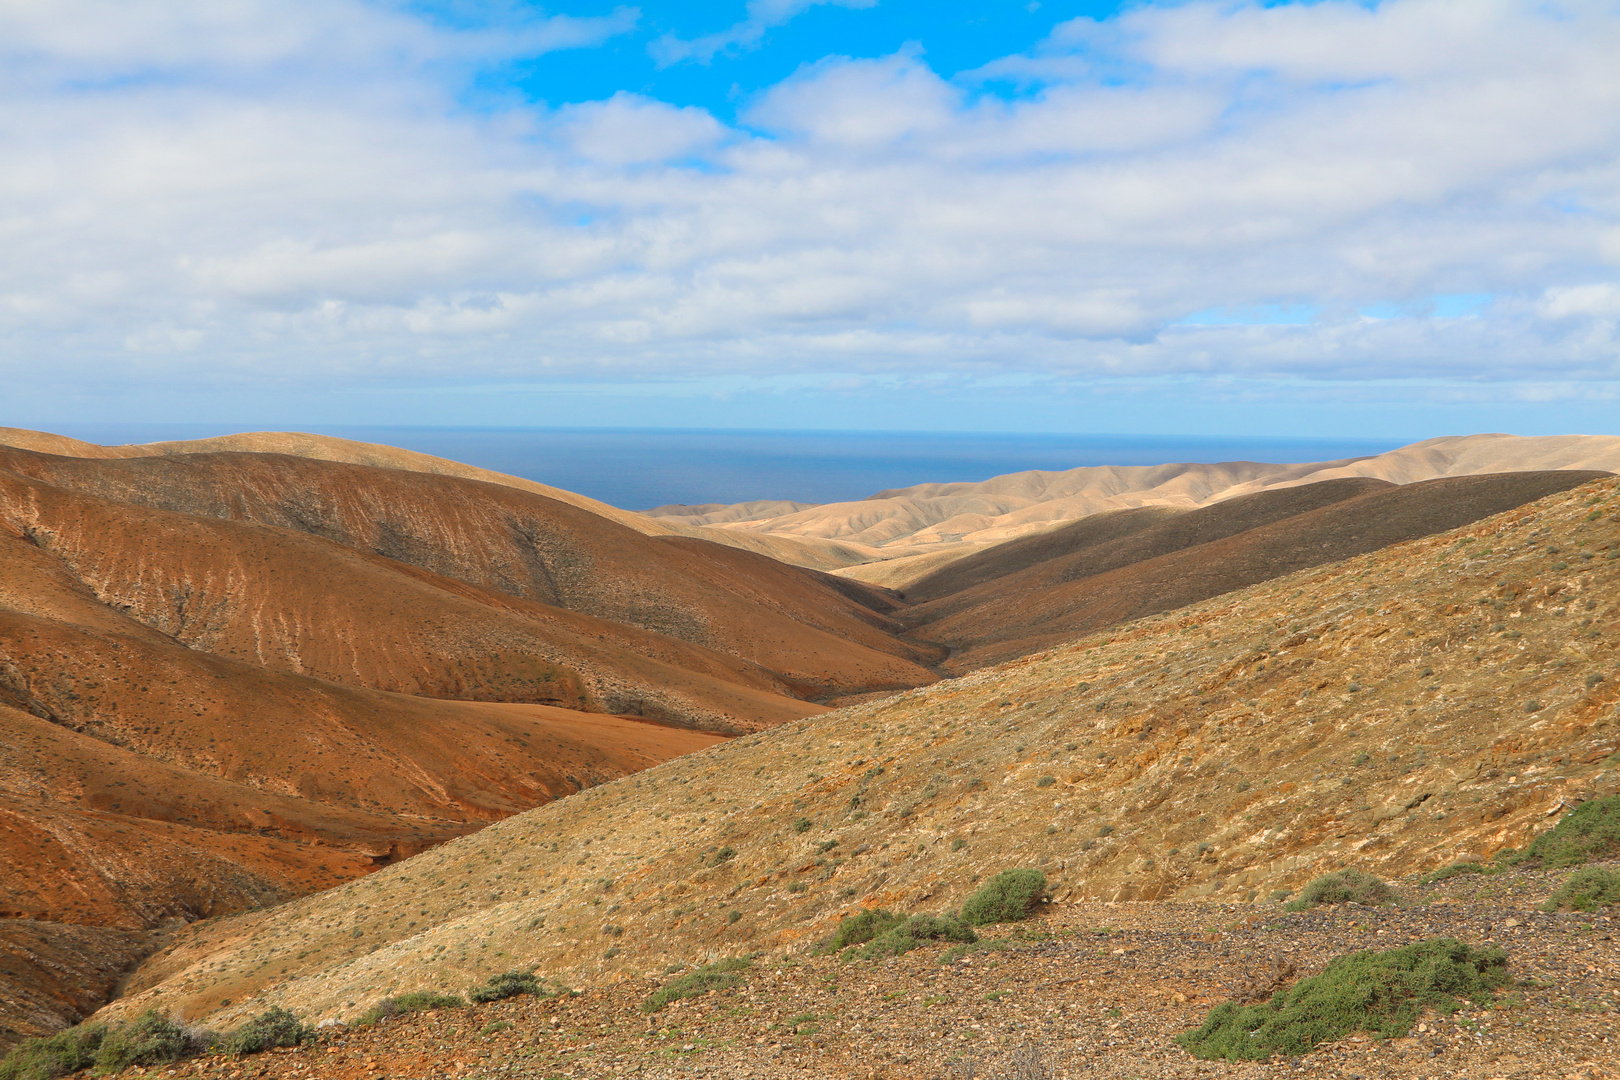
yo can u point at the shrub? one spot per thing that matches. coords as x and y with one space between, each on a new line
150 1039
417 1001
509 984
801 825
859 929
721 975
1456 869
1586 834
1586 890
53 1055
276 1027
1008 897
1380 992
915 932
723 856
1347 886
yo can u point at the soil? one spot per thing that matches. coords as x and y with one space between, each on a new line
1098 989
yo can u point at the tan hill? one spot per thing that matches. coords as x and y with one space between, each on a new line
967 516
1190 556
814 553
1430 701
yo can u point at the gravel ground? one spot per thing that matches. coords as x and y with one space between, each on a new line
1097 990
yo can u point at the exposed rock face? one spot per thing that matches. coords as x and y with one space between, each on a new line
1430 701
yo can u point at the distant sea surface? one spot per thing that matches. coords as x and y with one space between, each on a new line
637 469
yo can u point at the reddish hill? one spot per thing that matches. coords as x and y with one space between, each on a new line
231 679
1206 552
801 625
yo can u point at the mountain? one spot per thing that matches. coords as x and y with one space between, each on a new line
1166 562
929 524
1429 701
232 678
815 553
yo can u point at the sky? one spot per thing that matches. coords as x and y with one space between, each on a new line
1204 218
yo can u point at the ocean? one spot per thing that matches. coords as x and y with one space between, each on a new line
638 469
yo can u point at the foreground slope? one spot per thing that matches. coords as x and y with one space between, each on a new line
1427 702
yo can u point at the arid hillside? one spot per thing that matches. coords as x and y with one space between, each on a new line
228 679
815 553
1189 556
914 531
1430 701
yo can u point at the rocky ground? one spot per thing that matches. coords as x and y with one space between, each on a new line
1095 989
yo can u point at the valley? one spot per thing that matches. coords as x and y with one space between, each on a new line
316 728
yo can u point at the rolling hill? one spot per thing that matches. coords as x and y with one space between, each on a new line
228 679
913 531
1189 556
1429 701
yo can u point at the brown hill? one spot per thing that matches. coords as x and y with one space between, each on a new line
1202 553
800 626
231 679
808 551
1430 701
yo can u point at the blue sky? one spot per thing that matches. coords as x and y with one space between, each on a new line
1205 218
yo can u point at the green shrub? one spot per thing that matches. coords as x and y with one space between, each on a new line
720 975
1008 897
1456 869
1381 993
53 1055
417 1001
150 1039
1588 833
1347 886
276 1027
1586 890
859 929
915 932
511 984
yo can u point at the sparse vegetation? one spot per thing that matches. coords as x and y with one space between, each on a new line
272 1028
859 929
511 984
53 1055
149 1039
1456 869
915 932
418 1001
1586 890
1347 886
1379 992
720 975
1588 833
1010 896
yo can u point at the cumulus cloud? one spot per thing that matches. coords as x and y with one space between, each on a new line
298 192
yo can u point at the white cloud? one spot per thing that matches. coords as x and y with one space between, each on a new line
292 192
747 34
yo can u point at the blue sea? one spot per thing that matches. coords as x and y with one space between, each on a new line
638 469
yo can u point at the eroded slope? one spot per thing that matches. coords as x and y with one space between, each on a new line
1426 702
